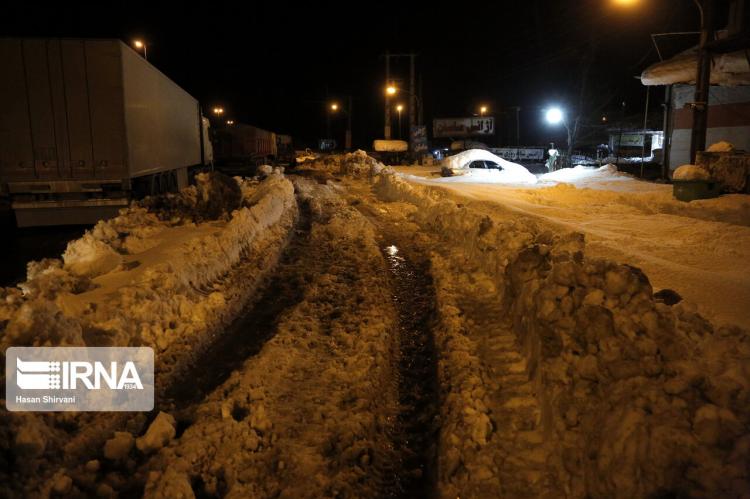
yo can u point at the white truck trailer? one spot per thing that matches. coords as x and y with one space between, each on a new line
85 124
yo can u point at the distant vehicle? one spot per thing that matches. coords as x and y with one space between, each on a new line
239 148
85 124
285 151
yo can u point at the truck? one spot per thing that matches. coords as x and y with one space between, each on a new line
87 124
240 148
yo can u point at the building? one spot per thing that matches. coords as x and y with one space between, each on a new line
728 103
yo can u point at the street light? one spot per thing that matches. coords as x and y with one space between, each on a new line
218 111
554 116
140 45
399 108
391 90
347 110
482 110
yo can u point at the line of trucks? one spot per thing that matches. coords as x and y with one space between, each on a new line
88 124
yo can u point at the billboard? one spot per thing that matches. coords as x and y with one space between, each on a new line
520 153
419 139
463 127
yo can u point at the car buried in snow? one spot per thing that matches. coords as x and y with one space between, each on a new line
485 167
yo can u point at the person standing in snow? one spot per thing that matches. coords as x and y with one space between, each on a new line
554 157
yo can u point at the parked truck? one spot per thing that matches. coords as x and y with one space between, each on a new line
86 124
240 148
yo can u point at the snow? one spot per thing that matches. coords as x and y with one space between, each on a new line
728 69
583 368
581 174
558 367
691 172
390 145
721 146
700 249
511 173
135 277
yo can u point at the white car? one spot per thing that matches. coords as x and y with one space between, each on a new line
486 167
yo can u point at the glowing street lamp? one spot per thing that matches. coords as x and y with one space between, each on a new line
482 110
391 90
218 111
554 116
334 107
140 45
626 3
399 108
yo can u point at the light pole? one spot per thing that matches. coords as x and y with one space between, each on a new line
702 79
392 90
335 108
140 45
482 111
399 108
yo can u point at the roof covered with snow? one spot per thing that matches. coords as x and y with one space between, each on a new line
727 69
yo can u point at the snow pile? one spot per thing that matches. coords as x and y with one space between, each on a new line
721 146
213 196
90 257
176 286
583 173
511 173
691 173
635 397
356 164
137 280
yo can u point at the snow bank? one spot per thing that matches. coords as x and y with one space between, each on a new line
356 164
636 397
580 173
176 286
691 172
155 301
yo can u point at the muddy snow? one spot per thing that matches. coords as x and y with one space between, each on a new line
355 333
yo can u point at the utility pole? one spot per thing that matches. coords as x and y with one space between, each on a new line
667 127
387 131
645 127
420 118
703 80
517 109
412 96
348 137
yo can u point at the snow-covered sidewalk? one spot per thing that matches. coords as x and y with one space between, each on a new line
700 249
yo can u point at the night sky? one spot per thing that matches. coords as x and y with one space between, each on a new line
273 64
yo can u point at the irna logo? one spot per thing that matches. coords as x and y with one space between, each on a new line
79 379
54 375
